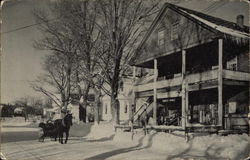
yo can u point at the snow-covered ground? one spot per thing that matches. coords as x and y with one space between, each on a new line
103 130
155 145
14 121
174 145
18 129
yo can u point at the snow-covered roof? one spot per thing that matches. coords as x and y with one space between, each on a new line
221 28
228 28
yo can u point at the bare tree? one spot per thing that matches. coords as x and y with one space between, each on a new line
120 24
58 38
89 45
73 39
54 83
85 33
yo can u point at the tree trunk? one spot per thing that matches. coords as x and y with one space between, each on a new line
97 105
115 109
68 87
63 100
84 102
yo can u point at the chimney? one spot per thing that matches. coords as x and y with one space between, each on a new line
240 21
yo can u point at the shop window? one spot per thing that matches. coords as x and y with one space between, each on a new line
204 114
237 108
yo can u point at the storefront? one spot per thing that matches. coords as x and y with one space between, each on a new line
169 111
203 108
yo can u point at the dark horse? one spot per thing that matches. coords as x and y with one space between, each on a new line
49 130
63 126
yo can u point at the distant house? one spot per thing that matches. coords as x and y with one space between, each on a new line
198 71
79 113
124 97
19 111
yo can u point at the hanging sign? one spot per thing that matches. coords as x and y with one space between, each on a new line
232 107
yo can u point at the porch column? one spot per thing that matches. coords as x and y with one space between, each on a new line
133 99
184 95
220 82
249 83
155 91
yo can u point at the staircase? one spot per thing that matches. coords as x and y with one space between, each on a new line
145 110
141 113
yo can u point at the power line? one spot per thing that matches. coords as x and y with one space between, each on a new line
17 29
28 26
209 7
219 5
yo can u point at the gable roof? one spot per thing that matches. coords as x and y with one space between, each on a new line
216 25
215 20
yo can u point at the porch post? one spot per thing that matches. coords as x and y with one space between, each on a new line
220 83
155 91
133 99
184 100
249 83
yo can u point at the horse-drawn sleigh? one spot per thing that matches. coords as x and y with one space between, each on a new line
56 129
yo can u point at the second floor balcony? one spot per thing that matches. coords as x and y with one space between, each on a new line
195 81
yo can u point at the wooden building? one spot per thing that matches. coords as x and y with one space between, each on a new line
200 71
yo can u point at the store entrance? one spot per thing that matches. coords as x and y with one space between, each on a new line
169 112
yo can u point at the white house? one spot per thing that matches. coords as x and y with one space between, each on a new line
124 97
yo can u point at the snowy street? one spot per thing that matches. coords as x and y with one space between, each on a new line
98 142
76 149
157 146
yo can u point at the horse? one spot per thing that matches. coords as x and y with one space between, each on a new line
63 126
49 130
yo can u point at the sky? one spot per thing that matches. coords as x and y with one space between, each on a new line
21 63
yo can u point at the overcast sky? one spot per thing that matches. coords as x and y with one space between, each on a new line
21 63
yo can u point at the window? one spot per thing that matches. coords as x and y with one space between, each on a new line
174 30
232 64
238 107
106 108
126 109
234 67
121 86
161 38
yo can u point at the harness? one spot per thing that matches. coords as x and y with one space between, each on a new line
63 121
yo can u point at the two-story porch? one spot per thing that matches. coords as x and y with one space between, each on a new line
197 78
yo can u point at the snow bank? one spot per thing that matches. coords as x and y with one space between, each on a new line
174 145
214 146
171 143
230 147
99 131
